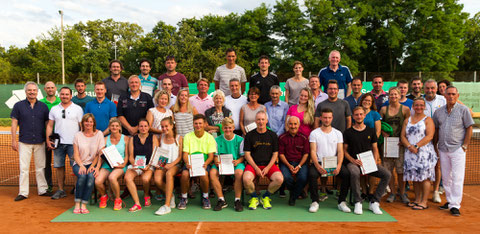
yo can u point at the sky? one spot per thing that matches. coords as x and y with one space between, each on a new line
23 20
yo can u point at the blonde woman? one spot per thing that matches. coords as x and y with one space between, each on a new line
183 113
217 113
304 110
156 114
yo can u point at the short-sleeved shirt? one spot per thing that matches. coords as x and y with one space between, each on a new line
201 104
31 121
359 141
352 102
223 75
433 105
341 110
249 115
408 103
233 146
294 89
214 118
304 128
234 105
149 84
134 110
205 144
343 76
276 116
88 147
51 104
178 81
320 98
293 147
264 84
261 146
371 118
82 102
115 89
103 112
452 127
380 99
326 143
68 126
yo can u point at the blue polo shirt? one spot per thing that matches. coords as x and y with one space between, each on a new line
353 102
31 121
103 112
342 76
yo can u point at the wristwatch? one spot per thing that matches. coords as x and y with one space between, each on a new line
416 146
464 147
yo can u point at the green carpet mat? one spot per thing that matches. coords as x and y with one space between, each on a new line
280 212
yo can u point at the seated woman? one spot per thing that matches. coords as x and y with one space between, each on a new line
183 112
87 146
217 113
164 177
156 114
250 110
142 144
120 142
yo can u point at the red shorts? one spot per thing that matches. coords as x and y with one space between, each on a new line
272 170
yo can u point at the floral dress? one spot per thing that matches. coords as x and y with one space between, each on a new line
421 166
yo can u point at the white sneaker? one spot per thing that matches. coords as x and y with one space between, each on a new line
375 208
163 210
172 201
436 197
358 208
343 207
313 207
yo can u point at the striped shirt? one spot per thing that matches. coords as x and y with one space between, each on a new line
183 122
149 84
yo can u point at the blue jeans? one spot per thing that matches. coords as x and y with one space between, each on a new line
84 186
295 188
60 153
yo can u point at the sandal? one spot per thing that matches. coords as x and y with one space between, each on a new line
135 208
77 211
84 211
412 204
419 207
147 201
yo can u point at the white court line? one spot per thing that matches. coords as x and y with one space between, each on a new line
15 177
470 196
10 162
199 225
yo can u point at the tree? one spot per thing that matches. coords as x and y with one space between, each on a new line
470 59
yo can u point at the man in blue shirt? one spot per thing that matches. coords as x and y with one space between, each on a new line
102 108
31 115
335 71
276 110
354 99
149 83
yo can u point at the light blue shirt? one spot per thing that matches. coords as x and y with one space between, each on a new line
276 116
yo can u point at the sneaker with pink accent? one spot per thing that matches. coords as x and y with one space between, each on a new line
103 201
117 204
148 202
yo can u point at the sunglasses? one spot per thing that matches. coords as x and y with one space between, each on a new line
63 114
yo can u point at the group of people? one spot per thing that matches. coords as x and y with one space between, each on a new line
286 141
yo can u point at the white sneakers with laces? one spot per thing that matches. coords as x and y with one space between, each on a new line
313 207
375 208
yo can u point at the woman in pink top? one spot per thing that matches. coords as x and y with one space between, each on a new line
87 146
304 110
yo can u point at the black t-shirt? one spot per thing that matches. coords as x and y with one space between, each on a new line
359 141
261 146
133 110
264 84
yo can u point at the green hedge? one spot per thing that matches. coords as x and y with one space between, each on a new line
5 122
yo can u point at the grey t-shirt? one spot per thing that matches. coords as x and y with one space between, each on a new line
451 133
223 75
341 110
294 88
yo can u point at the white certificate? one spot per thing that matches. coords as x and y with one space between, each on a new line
390 147
250 127
368 162
329 162
196 161
113 156
159 156
226 164
341 94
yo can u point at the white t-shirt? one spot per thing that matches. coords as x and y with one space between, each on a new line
173 99
68 126
234 105
432 106
223 75
326 142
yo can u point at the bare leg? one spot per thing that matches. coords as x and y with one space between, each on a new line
418 193
438 176
237 185
204 183
100 181
276 182
132 188
159 179
146 178
425 186
169 177
185 182
214 180
248 178
113 179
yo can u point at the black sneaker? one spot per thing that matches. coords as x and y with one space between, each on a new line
291 201
220 205
444 207
455 212
238 206
20 197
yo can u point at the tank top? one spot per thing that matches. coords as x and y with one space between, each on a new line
172 148
395 121
158 116
120 148
143 149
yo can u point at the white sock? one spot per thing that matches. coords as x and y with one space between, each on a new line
184 195
205 195
237 199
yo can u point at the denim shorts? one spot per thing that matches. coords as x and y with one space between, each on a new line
59 155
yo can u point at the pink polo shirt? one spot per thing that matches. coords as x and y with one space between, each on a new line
201 104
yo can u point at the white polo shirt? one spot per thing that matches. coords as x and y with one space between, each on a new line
435 104
68 126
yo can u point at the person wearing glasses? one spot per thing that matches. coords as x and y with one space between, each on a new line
133 106
341 110
66 117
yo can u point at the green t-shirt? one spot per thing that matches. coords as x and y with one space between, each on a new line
233 146
205 144
50 104
82 102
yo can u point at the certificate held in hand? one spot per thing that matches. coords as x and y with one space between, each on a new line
196 161
140 161
225 166
329 164
113 157
159 157
250 127
368 162
391 148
